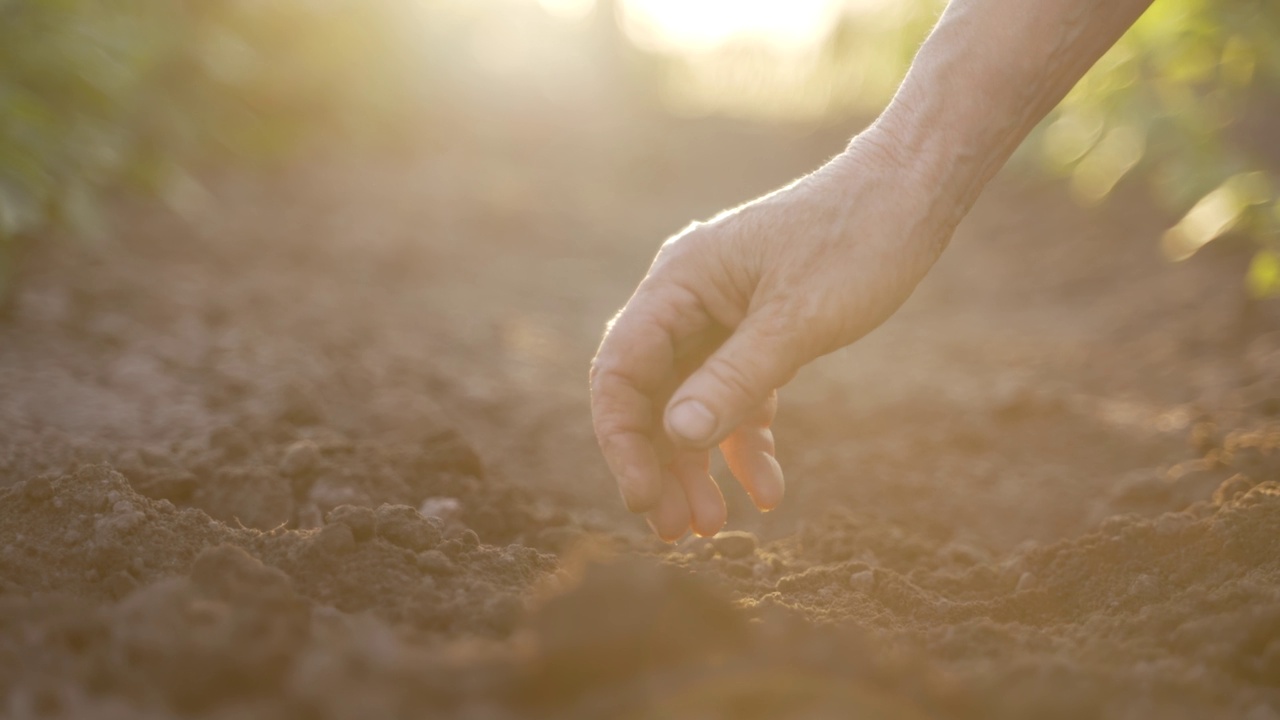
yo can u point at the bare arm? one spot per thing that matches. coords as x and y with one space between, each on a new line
733 307
989 72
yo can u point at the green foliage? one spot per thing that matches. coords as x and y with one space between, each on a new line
1264 274
1178 101
66 73
1172 101
95 94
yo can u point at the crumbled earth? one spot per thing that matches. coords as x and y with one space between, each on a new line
320 449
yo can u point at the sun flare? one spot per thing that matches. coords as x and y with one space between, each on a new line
699 25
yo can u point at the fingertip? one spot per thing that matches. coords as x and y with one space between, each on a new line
749 453
708 529
709 518
706 505
769 483
664 534
670 516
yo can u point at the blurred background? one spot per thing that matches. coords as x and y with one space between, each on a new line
147 96
270 258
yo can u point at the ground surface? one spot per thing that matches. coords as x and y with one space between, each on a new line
318 446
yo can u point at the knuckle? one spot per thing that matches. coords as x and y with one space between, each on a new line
608 436
610 420
736 377
776 326
693 239
800 324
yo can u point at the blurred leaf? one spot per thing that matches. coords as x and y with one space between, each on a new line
1116 154
1238 61
17 214
1068 138
82 214
7 272
1215 214
94 95
1263 278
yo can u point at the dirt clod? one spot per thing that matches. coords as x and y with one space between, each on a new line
335 538
1046 488
300 458
361 520
402 525
38 489
436 563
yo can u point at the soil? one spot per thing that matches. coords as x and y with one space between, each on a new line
316 445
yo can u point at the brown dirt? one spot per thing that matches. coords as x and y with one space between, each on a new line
319 447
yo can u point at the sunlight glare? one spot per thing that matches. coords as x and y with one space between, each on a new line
704 25
568 9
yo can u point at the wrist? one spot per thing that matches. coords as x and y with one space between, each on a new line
922 170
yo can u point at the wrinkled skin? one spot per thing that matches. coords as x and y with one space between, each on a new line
731 309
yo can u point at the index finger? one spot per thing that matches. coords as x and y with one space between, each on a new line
634 366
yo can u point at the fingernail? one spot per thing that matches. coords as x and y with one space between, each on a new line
692 421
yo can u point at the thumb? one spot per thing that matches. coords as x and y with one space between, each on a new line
760 356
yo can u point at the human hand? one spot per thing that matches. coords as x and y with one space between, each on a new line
732 308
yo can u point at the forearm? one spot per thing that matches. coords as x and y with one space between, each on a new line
988 73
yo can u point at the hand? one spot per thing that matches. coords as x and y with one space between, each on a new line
732 308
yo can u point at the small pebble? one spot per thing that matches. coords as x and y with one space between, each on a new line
735 544
335 539
1231 488
360 519
452 547
436 563
469 538
1026 582
402 525
445 508
862 581
300 458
